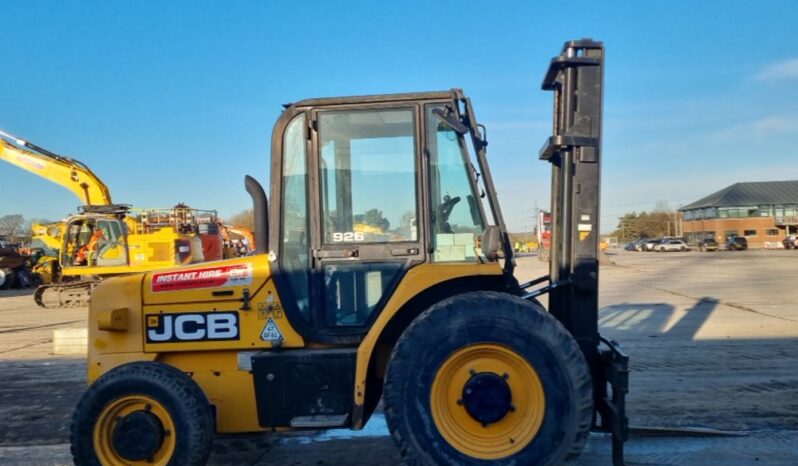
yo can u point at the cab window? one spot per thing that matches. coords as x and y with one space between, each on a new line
367 173
294 260
456 220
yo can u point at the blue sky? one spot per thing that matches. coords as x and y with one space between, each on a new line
175 101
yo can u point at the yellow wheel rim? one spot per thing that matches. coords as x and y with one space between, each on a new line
505 437
118 409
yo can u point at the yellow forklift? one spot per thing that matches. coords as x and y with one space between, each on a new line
383 271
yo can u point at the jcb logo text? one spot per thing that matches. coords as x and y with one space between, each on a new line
195 326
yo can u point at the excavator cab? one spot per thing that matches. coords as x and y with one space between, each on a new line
94 242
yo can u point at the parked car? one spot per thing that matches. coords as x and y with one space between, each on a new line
790 242
737 243
671 245
649 244
707 244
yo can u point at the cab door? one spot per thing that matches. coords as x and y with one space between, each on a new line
367 199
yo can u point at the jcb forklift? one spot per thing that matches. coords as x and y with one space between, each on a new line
383 271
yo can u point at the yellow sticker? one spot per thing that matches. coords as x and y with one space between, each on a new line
583 235
270 309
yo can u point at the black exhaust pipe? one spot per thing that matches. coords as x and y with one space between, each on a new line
260 210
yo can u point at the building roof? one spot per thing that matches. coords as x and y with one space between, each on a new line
751 193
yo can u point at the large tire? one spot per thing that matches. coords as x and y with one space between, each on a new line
472 341
142 412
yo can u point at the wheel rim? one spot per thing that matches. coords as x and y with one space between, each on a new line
464 430
131 427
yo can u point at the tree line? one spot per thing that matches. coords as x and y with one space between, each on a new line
655 224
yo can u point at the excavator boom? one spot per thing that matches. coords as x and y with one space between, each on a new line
64 171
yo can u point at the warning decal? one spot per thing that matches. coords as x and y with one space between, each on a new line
211 277
271 332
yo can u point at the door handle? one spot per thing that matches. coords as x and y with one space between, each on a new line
404 252
222 293
335 253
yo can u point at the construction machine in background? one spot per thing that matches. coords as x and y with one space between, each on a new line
543 232
237 241
328 317
69 258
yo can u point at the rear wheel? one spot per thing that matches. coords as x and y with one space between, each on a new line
487 378
142 413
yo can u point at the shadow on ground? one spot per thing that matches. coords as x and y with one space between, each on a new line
677 380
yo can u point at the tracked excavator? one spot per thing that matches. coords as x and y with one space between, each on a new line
421 309
104 239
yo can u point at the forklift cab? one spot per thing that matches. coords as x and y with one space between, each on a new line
367 188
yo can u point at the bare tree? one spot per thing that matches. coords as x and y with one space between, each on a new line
11 225
243 219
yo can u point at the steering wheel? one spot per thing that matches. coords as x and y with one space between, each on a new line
443 212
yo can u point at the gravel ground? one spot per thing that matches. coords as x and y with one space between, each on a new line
712 339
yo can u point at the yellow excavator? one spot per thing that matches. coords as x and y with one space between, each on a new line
103 239
327 318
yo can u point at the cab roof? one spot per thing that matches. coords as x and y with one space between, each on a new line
377 98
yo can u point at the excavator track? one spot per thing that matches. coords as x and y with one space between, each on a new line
60 295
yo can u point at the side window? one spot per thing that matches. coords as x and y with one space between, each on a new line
109 248
367 173
294 261
353 290
456 219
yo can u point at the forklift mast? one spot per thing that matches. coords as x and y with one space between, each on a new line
574 151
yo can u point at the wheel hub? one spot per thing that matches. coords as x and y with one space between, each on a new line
137 436
487 397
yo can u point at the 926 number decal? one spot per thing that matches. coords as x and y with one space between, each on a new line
348 236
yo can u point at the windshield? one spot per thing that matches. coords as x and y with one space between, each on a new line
456 218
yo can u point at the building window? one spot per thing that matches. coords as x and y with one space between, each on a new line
749 233
772 232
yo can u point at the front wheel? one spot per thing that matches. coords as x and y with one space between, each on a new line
142 413
488 379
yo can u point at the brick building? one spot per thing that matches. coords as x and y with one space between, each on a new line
764 212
